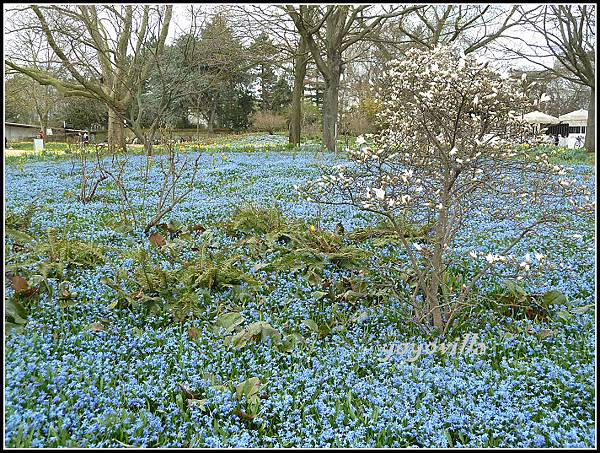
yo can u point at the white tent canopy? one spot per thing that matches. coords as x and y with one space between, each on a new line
576 118
538 117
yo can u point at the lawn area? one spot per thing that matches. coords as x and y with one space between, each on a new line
259 322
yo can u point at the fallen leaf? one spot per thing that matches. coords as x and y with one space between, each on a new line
187 392
157 239
243 415
545 333
96 327
193 333
19 284
198 229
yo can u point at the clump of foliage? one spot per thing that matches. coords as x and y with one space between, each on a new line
299 245
252 219
17 225
385 231
183 290
268 121
512 299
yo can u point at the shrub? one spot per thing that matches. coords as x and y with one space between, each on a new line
268 121
448 129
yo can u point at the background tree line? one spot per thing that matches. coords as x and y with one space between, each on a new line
307 68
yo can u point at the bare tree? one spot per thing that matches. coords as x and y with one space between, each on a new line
472 27
328 33
108 51
567 34
293 54
36 51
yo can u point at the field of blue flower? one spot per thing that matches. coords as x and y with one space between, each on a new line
87 369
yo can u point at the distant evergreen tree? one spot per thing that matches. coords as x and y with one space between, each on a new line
282 95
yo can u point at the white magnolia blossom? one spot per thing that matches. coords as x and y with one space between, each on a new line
449 147
379 193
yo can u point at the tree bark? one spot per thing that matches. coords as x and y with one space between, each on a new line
590 130
432 296
300 63
330 104
116 132
211 117
44 120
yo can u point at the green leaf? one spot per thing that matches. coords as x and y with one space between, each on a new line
584 309
449 437
515 289
311 325
18 236
95 327
564 315
15 313
249 389
313 277
229 321
553 297
257 332
319 294
200 404
546 333
291 341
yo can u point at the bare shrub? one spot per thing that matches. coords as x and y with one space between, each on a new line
268 121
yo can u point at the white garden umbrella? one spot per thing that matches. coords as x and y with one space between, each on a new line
538 117
578 116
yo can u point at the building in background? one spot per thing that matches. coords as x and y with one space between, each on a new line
18 132
577 122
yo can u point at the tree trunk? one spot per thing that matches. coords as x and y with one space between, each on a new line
116 132
148 144
300 63
590 132
198 122
437 268
330 106
211 117
44 123
263 89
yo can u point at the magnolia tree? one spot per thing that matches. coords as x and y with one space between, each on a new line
446 147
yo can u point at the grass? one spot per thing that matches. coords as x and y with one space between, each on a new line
235 142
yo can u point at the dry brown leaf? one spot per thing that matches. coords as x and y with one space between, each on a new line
157 239
19 284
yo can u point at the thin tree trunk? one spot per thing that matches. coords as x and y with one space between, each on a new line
590 132
433 298
148 144
300 64
263 88
198 123
211 117
44 123
116 132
